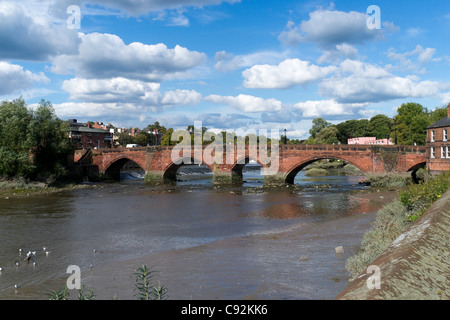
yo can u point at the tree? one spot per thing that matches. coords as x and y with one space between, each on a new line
318 124
33 143
380 126
144 139
412 120
125 138
166 138
48 139
327 135
156 126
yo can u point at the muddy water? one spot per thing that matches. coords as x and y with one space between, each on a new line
206 242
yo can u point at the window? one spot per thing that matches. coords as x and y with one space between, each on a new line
444 135
432 152
432 135
442 152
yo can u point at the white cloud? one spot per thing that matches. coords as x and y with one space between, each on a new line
328 28
359 82
13 78
111 90
287 74
181 97
125 92
228 62
415 59
340 52
29 33
107 56
247 103
322 108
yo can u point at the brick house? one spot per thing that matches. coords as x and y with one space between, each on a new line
438 146
86 137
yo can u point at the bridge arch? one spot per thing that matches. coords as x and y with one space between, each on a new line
170 171
238 166
292 172
414 169
113 167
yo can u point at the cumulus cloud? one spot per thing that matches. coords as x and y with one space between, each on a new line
14 78
414 60
287 74
321 108
110 90
328 28
227 61
247 103
30 34
126 91
107 56
359 82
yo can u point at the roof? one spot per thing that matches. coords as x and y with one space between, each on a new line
444 122
87 129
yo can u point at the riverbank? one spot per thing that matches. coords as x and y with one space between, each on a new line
21 188
407 246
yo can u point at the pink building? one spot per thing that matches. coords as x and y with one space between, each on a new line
370 140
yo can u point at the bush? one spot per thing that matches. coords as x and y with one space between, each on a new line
389 223
394 218
389 180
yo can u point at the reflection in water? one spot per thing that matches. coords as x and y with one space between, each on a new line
231 242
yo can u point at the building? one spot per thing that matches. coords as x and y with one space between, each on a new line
438 153
86 137
370 140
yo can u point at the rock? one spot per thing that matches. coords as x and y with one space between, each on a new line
339 249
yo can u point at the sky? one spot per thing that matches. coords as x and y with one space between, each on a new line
231 64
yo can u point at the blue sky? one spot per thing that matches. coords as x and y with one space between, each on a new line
232 64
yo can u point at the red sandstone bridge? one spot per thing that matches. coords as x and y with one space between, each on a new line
158 164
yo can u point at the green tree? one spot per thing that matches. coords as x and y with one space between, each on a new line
157 126
144 139
166 139
317 125
327 135
125 138
49 142
33 143
380 126
411 120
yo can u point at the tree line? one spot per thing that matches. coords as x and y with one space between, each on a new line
408 126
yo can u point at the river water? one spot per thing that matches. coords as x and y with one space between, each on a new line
204 242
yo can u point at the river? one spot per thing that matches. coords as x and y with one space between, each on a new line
205 242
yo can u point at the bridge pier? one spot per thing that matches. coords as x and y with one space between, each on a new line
275 180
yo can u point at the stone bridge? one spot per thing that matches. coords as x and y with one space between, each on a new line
158 164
